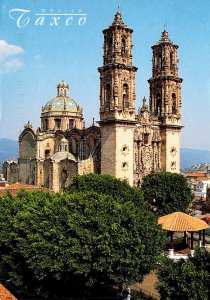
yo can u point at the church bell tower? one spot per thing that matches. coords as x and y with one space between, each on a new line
117 101
165 100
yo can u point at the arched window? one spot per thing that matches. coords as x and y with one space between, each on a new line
108 95
108 48
109 42
57 123
146 138
123 51
46 124
61 92
158 104
71 124
174 110
47 153
171 60
160 61
125 98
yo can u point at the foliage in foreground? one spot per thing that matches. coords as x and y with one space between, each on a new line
61 245
139 295
168 192
185 280
107 185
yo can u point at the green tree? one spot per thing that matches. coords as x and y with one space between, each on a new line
185 280
58 245
107 185
167 192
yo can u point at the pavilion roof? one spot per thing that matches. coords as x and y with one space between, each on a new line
179 221
5 294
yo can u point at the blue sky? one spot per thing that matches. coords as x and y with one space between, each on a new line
33 59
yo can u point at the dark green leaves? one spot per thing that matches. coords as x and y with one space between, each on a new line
167 192
58 245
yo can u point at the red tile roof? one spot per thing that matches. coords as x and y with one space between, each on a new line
179 221
203 178
5 294
198 174
15 187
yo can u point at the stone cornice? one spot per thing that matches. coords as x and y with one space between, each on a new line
165 77
117 66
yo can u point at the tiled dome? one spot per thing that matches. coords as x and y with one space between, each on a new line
62 102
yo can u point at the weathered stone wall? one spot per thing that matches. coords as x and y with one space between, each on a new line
86 166
68 169
10 171
45 148
27 171
27 147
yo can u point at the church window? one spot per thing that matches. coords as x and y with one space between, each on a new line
125 149
108 95
71 124
109 47
160 61
171 60
66 148
158 104
123 52
109 41
124 166
61 92
146 138
173 103
57 123
46 124
125 98
47 153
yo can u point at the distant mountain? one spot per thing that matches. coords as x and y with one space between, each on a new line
189 157
192 157
8 150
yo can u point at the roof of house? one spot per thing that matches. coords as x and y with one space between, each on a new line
179 221
203 179
197 174
15 187
5 294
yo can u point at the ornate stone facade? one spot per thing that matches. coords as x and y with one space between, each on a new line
125 144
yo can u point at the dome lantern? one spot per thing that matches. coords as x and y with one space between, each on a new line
63 89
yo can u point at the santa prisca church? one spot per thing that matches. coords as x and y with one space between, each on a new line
125 142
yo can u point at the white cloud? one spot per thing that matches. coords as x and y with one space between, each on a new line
12 65
7 50
10 57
